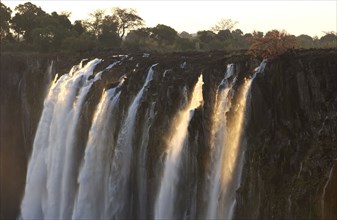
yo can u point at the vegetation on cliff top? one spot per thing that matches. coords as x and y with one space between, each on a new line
32 29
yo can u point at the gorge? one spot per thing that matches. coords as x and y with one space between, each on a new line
207 135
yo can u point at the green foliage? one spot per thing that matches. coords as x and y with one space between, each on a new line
25 20
44 31
161 38
186 35
329 40
32 29
63 20
109 30
78 44
163 35
224 35
43 38
305 41
58 26
137 39
5 13
184 44
78 27
94 23
207 40
109 36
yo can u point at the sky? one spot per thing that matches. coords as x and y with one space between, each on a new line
296 17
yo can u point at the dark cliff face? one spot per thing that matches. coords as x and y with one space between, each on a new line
291 131
23 85
292 141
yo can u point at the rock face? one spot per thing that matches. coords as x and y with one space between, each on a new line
292 139
24 83
23 86
291 133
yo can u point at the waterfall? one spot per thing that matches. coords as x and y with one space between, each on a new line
111 174
52 150
50 72
227 146
121 161
142 190
164 206
219 130
234 151
93 200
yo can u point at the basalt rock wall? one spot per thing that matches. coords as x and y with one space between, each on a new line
291 125
292 140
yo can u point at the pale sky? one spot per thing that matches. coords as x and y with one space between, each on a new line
296 17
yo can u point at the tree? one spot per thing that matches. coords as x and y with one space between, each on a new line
224 35
238 41
257 34
224 24
5 19
43 38
109 36
25 21
273 44
127 20
207 40
63 19
186 35
78 27
184 44
51 30
237 33
305 41
164 34
136 39
94 24
329 40
206 36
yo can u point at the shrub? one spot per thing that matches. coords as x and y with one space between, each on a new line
273 44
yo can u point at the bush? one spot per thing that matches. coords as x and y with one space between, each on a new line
273 44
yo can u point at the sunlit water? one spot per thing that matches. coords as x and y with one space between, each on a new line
164 207
96 184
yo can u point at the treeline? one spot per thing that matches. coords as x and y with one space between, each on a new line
32 29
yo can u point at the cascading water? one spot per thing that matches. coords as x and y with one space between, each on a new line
122 158
110 178
228 145
164 207
219 130
142 179
93 200
46 183
233 153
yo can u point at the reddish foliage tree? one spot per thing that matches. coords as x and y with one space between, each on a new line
273 44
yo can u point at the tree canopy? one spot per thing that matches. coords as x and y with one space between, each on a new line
29 28
126 19
26 19
274 43
224 24
5 20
